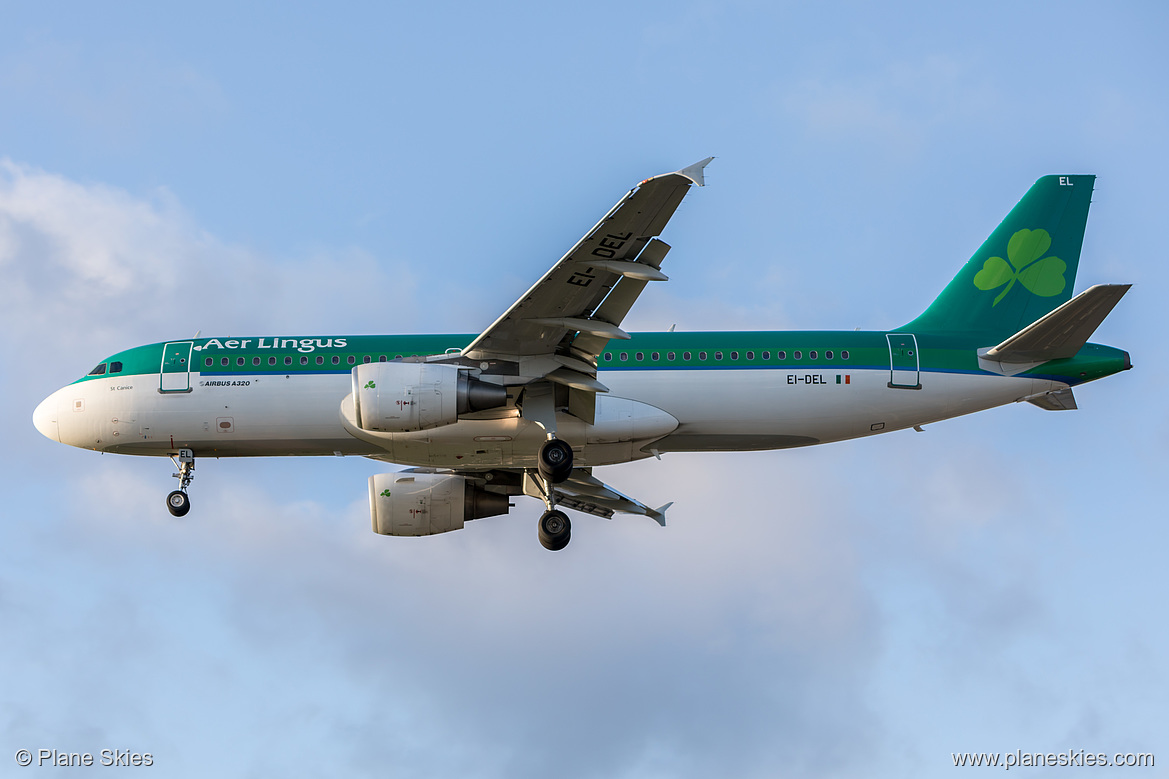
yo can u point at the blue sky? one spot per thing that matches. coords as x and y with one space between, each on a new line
859 609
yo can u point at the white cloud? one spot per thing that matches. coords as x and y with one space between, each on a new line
90 269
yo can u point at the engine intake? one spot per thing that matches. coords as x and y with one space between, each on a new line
423 504
397 397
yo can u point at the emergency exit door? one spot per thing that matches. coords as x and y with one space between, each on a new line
904 361
175 375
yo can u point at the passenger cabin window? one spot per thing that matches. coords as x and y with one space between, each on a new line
367 358
781 355
750 355
624 356
685 355
239 361
320 359
828 355
798 355
288 361
304 360
209 361
352 359
812 355
655 356
608 357
670 356
225 361
336 360
734 355
641 356
766 355
844 354
255 361
271 360
702 355
99 370
718 355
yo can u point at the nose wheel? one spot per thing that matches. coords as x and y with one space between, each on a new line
178 503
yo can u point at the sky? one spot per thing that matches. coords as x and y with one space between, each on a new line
861 609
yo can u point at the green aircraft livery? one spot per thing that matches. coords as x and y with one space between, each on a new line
555 388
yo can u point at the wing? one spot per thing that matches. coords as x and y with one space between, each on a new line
581 491
585 493
579 304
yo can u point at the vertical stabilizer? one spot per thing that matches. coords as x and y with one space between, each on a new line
1025 269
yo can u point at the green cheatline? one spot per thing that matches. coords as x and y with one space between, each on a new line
1043 277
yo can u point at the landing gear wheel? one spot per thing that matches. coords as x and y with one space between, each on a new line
178 503
554 530
555 460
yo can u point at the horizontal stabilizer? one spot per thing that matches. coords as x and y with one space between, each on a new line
1060 400
1063 332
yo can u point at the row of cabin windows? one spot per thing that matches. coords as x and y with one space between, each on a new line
622 356
766 355
304 360
115 367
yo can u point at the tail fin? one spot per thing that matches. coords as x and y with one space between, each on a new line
1025 269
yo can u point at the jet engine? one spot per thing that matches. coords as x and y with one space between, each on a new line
402 397
423 504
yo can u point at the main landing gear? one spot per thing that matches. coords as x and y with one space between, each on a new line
554 466
555 460
177 502
555 530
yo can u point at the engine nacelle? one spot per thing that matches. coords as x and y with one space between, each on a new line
422 504
402 397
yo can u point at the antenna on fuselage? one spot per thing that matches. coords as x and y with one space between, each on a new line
197 333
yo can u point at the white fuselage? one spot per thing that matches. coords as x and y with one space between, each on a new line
646 411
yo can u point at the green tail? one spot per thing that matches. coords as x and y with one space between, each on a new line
1026 269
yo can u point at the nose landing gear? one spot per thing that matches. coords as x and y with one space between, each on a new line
177 502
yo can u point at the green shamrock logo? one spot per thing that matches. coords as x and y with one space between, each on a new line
371 385
385 493
1043 277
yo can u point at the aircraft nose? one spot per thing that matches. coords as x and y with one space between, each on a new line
45 418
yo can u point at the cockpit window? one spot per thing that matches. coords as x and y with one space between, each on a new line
99 370
115 367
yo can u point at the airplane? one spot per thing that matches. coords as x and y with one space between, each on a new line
554 388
